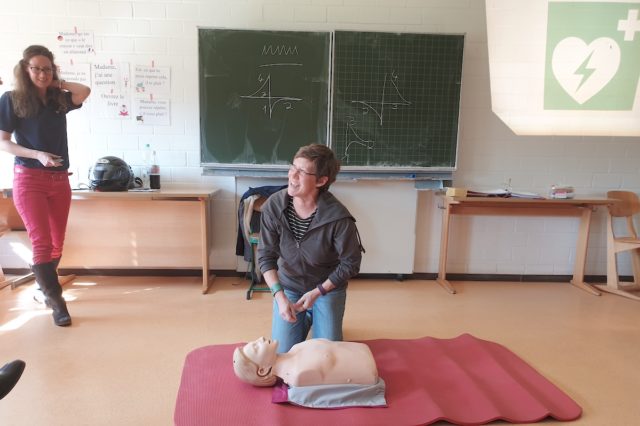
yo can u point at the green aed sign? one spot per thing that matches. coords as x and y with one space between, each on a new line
592 59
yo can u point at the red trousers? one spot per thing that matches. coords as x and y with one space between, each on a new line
43 198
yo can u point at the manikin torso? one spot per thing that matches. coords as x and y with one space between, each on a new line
323 362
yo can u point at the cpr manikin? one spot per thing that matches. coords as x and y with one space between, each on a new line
312 362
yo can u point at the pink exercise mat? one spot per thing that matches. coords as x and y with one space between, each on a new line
463 380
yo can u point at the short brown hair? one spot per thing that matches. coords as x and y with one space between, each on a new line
324 161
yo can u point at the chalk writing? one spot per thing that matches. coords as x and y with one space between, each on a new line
350 133
281 50
396 99
264 93
390 96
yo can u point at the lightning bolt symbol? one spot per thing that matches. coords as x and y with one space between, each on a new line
584 70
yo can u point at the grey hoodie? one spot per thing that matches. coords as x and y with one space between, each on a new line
330 249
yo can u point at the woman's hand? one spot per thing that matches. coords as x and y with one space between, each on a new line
48 159
285 307
306 301
79 92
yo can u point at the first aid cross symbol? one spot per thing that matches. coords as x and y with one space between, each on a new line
630 25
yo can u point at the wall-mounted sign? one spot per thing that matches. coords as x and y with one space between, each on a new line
565 67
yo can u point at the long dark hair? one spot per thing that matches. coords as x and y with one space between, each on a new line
26 102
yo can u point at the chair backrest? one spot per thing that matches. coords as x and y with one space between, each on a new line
628 203
627 206
252 201
252 204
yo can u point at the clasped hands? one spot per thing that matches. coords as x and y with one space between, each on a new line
289 310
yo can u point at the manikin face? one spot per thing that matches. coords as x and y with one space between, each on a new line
40 71
261 351
302 178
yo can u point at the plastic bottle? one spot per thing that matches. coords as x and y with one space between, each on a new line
154 173
146 169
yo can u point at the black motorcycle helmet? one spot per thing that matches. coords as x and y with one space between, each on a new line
111 174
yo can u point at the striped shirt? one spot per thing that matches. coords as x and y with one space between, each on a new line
298 225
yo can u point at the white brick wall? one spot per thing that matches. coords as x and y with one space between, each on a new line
82 8
183 11
115 9
277 12
144 10
310 14
489 154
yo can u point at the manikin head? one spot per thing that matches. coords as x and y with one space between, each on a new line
253 362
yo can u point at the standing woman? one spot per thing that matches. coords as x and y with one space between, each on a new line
35 112
309 248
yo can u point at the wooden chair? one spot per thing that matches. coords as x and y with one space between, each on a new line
627 206
253 204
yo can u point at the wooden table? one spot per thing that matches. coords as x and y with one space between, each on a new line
497 206
140 229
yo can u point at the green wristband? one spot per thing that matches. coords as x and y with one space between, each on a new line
275 288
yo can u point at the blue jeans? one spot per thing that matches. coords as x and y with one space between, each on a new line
325 316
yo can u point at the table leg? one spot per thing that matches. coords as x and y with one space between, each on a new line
207 279
581 253
18 281
444 243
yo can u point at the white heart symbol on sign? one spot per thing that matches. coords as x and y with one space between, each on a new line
583 70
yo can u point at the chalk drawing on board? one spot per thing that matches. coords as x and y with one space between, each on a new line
394 99
263 94
353 138
378 106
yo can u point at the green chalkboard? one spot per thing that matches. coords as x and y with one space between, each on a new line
263 94
396 99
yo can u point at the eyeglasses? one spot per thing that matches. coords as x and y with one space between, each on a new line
293 170
38 70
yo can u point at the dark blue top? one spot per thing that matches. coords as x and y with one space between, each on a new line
47 131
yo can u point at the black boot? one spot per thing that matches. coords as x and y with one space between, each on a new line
47 277
39 295
9 376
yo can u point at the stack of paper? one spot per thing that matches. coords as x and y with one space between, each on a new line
504 193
